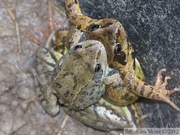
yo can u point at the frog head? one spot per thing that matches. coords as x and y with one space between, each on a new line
112 34
79 74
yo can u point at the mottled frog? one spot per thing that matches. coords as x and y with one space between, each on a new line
120 55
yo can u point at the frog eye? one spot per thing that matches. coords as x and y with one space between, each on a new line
77 47
94 27
118 48
98 67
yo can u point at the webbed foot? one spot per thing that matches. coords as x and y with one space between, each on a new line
162 93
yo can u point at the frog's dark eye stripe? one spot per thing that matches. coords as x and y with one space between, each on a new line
118 48
98 67
77 47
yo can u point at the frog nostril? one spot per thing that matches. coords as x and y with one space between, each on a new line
77 47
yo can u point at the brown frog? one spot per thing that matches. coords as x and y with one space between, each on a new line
120 55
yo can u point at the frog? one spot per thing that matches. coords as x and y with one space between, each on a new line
121 56
55 72
123 96
53 69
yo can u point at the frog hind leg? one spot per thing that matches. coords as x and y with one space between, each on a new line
156 92
163 92
105 116
75 15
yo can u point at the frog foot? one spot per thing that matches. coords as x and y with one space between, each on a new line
162 93
49 103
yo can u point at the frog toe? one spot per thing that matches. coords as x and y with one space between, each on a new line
51 108
170 92
159 77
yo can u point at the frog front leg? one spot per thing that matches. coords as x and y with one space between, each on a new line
46 59
116 92
44 71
